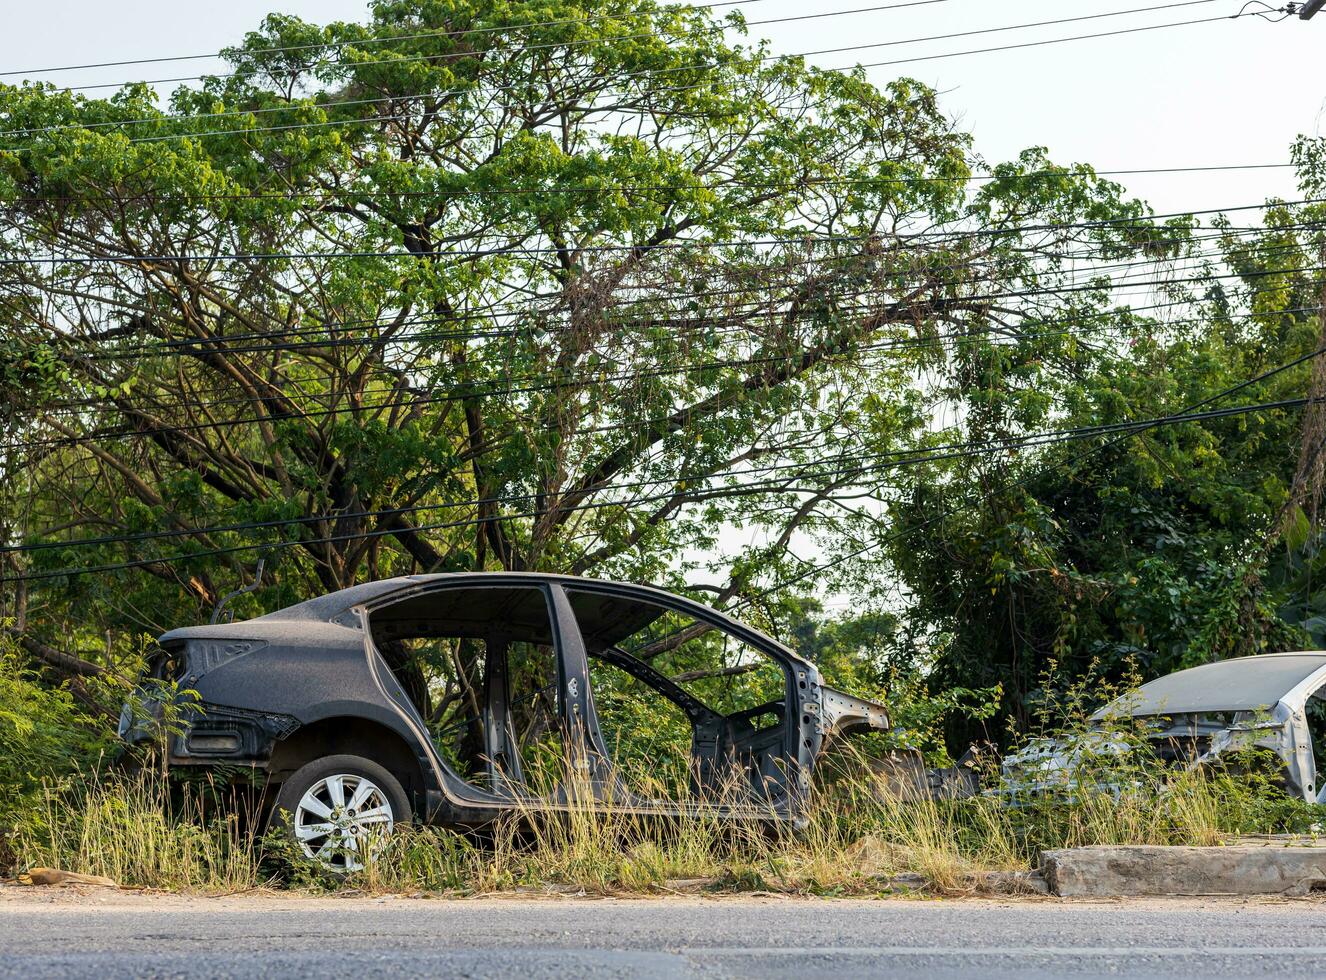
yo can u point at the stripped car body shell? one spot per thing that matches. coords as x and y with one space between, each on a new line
310 680
1193 716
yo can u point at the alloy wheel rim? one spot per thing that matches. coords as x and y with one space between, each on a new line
341 819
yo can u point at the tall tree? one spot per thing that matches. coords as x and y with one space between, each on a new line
481 284
1163 549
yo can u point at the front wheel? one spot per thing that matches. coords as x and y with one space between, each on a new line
338 810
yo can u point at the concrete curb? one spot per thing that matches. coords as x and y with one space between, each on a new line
1110 872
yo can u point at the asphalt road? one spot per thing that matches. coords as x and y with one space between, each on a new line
47 933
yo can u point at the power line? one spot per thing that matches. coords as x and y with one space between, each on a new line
361 42
1037 44
676 88
481 389
226 344
324 335
381 118
940 340
625 76
991 335
971 498
714 29
976 448
1186 415
1096 287
1220 234
574 43
669 246
934 453
321 195
489 312
451 396
424 399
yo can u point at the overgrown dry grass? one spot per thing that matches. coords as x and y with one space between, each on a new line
143 831
855 839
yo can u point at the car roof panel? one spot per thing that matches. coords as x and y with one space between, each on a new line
1245 684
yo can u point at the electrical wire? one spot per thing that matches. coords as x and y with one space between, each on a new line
1095 430
323 338
451 397
971 498
810 183
77 408
1038 44
635 424
472 389
1143 426
624 76
643 248
489 313
590 19
468 391
1036 440
575 42
381 118
677 89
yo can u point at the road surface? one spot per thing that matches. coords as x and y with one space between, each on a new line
58 933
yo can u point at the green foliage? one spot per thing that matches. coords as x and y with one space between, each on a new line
920 717
30 373
497 298
1149 551
144 831
864 653
646 735
46 737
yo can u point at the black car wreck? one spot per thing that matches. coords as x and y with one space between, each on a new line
441 698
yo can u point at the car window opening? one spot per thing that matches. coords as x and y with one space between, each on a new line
1315 712
685 706
480 667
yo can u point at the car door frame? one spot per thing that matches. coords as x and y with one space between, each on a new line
801 738
460 800
457 801
1298 754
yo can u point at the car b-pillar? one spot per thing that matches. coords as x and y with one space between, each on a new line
586 754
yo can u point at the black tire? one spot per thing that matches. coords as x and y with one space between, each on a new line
285 810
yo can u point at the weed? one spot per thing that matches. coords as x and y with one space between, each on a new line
144 830
854 836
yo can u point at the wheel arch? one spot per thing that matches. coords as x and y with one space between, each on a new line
351 735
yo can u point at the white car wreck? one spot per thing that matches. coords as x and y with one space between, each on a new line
1273 701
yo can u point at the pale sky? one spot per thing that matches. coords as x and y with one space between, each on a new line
1229 92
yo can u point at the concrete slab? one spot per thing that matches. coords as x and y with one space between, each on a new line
1109 872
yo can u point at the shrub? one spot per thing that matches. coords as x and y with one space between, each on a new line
45 735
